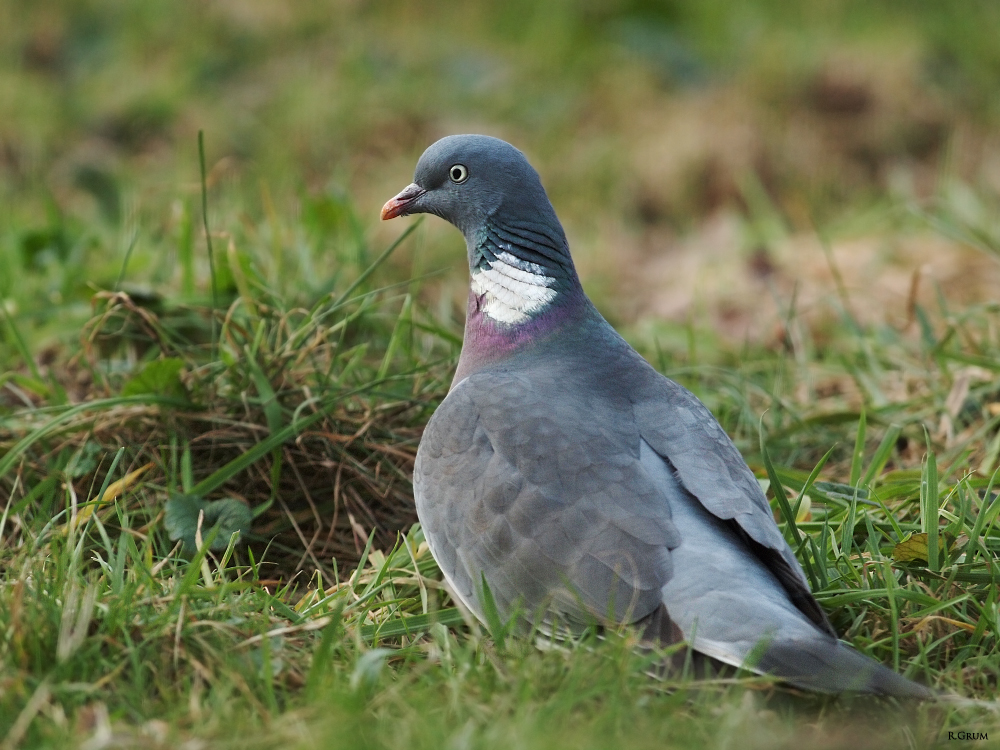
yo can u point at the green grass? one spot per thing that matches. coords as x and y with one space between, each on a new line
308 418
279 384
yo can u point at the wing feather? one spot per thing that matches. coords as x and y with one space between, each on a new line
682 431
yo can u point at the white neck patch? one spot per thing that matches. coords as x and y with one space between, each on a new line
512 289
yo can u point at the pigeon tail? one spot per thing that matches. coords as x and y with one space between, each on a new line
826 665
819 663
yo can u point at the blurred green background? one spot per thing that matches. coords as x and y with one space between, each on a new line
790 206
686 145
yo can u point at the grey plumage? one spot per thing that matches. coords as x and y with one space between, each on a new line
578 481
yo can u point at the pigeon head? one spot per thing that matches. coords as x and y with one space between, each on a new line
467 179
518 254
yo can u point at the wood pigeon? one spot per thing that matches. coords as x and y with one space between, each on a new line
577 482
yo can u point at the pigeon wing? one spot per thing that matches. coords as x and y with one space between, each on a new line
684 432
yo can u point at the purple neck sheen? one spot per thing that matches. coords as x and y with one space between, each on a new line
488 341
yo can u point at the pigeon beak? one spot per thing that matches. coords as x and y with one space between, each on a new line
400 205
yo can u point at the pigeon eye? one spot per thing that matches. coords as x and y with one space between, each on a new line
458 173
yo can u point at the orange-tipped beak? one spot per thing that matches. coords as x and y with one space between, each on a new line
398 206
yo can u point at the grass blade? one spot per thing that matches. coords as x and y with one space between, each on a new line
378 262
779 492
882 454
929 508
857 458
208 236
813 475
413 624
